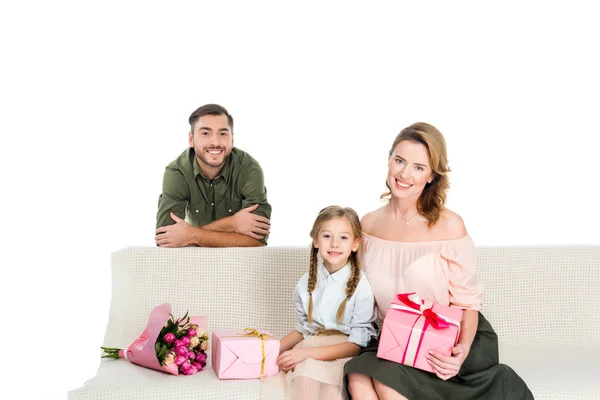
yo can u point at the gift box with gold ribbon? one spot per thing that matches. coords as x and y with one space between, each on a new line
247 354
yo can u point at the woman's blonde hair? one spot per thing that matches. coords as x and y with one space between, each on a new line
431 201
325 215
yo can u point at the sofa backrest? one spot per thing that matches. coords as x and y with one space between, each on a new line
532 294
235 288
542 294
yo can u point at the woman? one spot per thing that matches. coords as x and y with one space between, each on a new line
415 244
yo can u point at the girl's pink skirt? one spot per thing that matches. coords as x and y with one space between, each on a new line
311 379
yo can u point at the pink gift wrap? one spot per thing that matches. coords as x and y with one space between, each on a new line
142 352
412 327
235 355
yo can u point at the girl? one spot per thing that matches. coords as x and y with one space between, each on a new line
335 307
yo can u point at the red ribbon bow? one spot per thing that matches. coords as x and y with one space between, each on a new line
435 320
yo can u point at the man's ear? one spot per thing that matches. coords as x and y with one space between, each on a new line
191 139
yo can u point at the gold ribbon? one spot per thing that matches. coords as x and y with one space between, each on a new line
251 332
255 333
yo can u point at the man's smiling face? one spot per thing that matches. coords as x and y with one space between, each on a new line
212 140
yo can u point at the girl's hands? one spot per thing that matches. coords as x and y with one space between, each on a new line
446 367
288 360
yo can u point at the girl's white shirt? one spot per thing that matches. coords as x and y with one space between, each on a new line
328 294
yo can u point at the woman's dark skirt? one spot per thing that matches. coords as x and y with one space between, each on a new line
480 376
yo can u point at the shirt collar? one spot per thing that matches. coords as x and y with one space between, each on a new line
223 174
339 276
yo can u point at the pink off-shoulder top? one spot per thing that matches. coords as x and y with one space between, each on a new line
441 271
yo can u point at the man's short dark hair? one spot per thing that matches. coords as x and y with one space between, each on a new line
210 109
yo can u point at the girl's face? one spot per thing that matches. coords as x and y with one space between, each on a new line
336 242
409 170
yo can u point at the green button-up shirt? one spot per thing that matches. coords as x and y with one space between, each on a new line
190 195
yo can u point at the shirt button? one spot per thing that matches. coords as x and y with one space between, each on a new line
212 204
197 211
229 210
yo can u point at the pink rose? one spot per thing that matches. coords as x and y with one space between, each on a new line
201 357
198 366
181 350
191 355
180 360
169 338
178 343
190 371
186 365
191 332
185 341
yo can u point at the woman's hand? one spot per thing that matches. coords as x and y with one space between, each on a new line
288 360
446 367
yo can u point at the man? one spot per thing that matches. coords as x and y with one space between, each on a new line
219 188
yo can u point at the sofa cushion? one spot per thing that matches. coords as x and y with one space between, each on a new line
122 380
556 371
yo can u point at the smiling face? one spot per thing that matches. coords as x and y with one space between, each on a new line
212 140
409 170
336 242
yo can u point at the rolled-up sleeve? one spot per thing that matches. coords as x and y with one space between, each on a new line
174 197
363 315
255 192
302 320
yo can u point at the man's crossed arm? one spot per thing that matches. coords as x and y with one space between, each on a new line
243 229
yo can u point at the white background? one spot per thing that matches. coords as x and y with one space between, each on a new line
95 99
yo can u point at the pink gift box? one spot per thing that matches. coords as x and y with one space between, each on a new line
413 326
238 355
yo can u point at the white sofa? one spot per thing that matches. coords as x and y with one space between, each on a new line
544 303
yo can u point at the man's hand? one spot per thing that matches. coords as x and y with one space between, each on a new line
288 360
177 235
250 224
447 367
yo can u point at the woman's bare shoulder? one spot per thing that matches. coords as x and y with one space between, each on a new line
369 220
450 225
